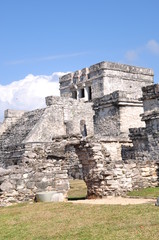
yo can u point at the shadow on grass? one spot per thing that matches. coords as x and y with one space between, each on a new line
76 198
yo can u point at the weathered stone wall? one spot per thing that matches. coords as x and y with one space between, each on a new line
46 167
18 131
150 97
145 140
73 112
105 176
115 147
10 117
41 167
41 149
107 122
62 117
15 134
127 78
130 117
115 113
74 164
105 78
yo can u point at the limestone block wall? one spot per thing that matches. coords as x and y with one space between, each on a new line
17 132
109 177
73 112
145 144
41 168
139 148
11 155
115 147
64 83
41 149
107 122
45 167
130 117
10 117
105 78
127 78
145 140
150 97
25 146
115 113
38 167
62 117
49 125
74 164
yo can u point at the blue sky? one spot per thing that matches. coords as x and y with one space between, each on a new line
45 36
41 37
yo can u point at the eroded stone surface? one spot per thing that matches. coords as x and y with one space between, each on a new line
86 138
105 78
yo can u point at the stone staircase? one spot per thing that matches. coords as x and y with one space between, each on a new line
11 141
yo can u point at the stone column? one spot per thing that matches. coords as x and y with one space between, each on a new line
78 93
86 93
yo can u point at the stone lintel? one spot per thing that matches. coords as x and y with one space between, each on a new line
115 140
119 98
154 114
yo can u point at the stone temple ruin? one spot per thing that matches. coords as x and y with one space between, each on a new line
104 129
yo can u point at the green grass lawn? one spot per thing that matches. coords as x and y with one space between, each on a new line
78 190
68 221
47 221
145 192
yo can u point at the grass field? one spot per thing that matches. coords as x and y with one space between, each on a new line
47 221
68 221
78 190
146 192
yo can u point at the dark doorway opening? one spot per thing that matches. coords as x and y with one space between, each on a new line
82 95
89 93
74 94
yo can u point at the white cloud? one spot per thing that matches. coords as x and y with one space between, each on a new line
28 93
131 55
153 46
